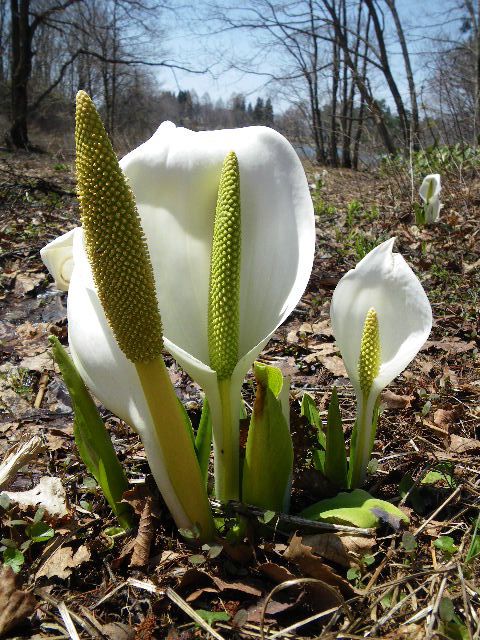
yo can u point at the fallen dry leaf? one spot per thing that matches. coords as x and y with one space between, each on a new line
334 364
394 401
15 605
313 566
143 541
62 562
242 587
273 608
138 497
48 494
407 632
118 631
345 550
41 362
205 583
27 282
452 346
275 572
319 352
446 418
463 445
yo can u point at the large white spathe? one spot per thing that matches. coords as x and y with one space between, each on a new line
174 177
384 281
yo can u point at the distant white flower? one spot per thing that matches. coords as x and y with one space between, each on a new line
430 194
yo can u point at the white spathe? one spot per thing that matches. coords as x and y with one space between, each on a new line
174 177
58 258
384 281
430 194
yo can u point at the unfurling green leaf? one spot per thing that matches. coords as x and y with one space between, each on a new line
309 410
267 470
92 439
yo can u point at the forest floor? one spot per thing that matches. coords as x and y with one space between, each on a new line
75 579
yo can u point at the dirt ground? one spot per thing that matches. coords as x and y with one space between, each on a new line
75 576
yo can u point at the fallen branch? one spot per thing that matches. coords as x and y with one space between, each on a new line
17 457
249 510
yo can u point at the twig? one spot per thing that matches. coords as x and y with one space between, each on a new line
293 583
393 610
250 510
465 600
64 612
433 615
17 457
437 511
380 568
186 608
89 628
42 386
301 623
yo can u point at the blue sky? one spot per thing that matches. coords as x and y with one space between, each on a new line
420 19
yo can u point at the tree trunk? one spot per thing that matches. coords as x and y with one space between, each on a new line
361 83
415 125
387 72
312 82
361 113
334 101
21 68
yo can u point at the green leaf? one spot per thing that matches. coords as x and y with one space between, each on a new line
441 474
92 439
446 544
203 440
446 610
40 532
474 548
353 574
319 460
335 452
13 558
409 542
455 630
309 410
211 617
268 465
357 508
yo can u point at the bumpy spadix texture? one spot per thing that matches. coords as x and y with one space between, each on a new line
114 240
224 293
369 361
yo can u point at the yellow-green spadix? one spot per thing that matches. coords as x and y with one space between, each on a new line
112 303
175 178
380 317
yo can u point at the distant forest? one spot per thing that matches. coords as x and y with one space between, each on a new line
347 96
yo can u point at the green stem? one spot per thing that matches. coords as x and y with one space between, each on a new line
361 451
227 475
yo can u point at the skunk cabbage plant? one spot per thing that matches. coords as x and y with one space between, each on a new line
380 317
430 194
115 328
228 223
